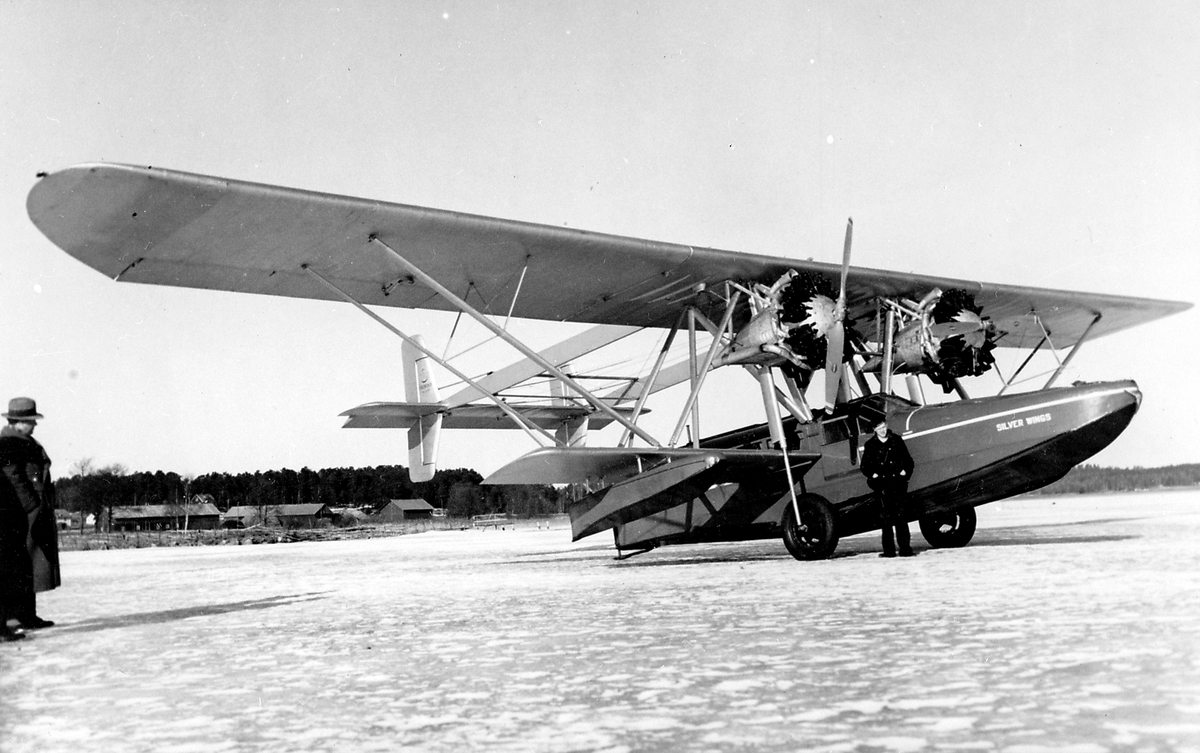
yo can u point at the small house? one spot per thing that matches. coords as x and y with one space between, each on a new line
66 520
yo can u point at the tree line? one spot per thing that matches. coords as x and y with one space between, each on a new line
1092 479
459 490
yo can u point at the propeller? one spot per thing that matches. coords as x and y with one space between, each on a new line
836 337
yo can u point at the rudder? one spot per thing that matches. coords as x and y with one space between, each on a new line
420 387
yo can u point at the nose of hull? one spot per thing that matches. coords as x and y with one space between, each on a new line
1114 405
1092 420
1018 444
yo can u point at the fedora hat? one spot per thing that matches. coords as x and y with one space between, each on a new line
22 409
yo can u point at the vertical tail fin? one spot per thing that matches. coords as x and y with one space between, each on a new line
420 387
573 432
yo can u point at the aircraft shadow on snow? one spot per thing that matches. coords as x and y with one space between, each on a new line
1035 535
138 619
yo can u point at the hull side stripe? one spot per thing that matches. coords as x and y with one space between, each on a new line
1022 409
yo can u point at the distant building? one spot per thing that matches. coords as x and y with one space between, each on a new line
302 516
401 510
165 517
288 516
66 520
348 516
243 516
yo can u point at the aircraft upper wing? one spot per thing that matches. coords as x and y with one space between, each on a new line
150 225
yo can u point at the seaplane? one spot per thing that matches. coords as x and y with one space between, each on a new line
782 321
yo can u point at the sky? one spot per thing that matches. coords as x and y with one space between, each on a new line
1045 144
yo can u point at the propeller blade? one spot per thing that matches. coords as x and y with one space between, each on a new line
833 363
836 337
845 263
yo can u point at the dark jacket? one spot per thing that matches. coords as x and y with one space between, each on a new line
16 569
25 467
886 463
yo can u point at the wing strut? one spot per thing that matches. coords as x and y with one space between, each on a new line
1074 350
528 352
885 373
652 378
698 377
1012 379
516 294
767 383
528 426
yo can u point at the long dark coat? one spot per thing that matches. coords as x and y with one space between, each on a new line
882 462
26 468
16 568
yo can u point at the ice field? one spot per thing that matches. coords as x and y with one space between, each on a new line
1069 624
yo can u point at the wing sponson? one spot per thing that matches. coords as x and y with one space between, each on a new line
567 465
670 484
163 227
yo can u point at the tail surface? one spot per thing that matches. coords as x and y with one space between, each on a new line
420 387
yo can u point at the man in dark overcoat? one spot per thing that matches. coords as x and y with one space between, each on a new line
888 468
16 569
25 470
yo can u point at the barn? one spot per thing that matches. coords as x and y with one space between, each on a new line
306 515
165 517
401 510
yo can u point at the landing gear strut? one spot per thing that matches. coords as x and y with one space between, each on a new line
947 530
812 538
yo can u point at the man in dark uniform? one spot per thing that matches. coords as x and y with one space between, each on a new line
25 471
888 468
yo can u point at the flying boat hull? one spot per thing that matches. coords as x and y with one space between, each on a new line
967 453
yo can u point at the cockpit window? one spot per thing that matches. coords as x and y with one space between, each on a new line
839 429
859 416
868 417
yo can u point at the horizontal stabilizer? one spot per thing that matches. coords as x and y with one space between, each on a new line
679 476
405 415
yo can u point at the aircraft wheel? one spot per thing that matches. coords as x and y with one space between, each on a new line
813 537
947 530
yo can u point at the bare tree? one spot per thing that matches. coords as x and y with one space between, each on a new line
83 467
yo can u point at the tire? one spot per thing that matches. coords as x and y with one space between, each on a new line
949 530
814 537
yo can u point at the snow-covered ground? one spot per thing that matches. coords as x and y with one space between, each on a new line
1069 624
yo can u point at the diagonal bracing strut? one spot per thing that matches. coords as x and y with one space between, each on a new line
699 376
1075 349
640 403
520 420
525 350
